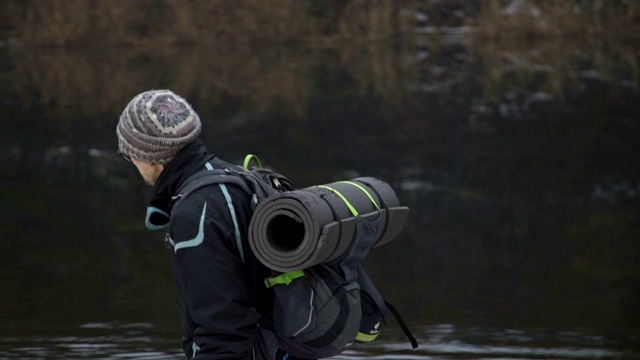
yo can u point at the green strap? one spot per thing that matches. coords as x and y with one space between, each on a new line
364 191
283 279
365 338
247 161
353 210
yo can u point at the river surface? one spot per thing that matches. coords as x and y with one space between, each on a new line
519 164
437 341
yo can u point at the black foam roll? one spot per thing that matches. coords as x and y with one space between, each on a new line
298 229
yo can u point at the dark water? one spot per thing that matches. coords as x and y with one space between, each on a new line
438 341
519 164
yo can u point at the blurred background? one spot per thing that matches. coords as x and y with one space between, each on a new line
510 128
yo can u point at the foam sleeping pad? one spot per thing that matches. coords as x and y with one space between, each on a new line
298 229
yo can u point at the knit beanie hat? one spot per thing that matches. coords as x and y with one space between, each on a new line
156 125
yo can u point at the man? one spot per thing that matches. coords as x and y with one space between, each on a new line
219 282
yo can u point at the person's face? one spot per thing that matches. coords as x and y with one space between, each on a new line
150 172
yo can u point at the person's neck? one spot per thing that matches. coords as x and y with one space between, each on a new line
189 160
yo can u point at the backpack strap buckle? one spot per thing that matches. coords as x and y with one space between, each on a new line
283 279
254 201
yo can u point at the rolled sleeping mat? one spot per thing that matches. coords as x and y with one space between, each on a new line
298 229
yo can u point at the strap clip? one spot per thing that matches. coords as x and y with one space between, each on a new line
283 279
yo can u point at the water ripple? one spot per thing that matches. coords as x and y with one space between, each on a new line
437 342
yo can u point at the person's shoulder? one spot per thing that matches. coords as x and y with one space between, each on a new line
217 197
190 214
192 205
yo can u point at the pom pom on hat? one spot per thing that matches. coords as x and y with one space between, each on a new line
156 125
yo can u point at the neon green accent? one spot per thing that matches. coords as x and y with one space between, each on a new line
247 161
283 279
353 210
364 191
377 326
364 338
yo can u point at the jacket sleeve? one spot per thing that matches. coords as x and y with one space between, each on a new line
211 281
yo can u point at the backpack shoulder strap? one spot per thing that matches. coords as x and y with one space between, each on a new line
222 174
264 182
208 176
258 182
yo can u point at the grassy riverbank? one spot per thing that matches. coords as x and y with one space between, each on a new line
175 22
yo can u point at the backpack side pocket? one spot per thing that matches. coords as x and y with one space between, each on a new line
315 316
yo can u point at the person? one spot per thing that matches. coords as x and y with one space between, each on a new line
221 297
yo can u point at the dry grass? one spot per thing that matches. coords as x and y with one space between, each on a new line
95 81
522 19
262 78
91 82
554 67
171 22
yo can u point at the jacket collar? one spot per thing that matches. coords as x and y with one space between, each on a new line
188 161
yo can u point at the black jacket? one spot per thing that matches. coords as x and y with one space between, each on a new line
220 292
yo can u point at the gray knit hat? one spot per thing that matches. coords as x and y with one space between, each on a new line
156 125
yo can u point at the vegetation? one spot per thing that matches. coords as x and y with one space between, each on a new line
522 19
172 22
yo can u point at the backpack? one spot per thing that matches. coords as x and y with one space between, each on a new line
320 309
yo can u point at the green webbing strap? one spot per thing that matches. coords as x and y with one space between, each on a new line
247 161
283 279
364 191
365 338
353 210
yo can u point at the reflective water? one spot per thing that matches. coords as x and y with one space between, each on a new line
518 163
438 341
